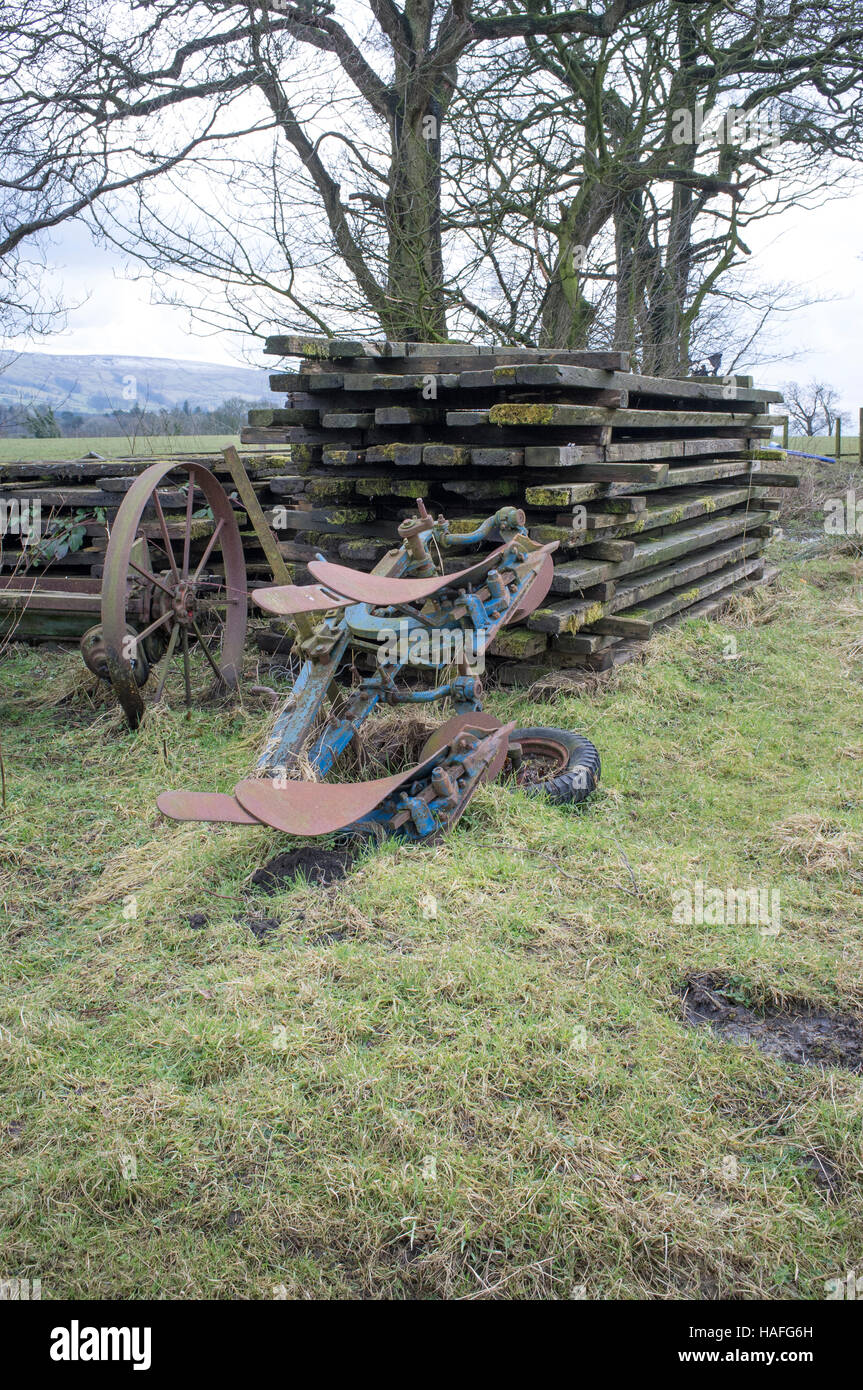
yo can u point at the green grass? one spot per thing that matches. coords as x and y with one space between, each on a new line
39 450
497 1100
825 444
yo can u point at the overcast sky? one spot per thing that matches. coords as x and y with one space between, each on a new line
821 251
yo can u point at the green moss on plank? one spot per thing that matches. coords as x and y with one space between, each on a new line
547 496
518 643
322 488
521 414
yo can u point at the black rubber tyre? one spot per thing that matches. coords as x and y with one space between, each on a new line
575 766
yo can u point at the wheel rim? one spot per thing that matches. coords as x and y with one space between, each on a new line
168 607
542 759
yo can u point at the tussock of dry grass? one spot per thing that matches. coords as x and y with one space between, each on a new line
755 608
821 844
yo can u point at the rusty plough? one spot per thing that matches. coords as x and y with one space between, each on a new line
408 615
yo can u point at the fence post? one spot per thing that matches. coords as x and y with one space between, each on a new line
785 430
860 437
838 439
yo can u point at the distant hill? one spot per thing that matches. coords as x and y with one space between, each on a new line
94 384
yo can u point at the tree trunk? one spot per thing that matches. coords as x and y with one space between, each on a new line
415 276
567 314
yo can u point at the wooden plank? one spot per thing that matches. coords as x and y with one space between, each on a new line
710 607
402 455
640 621
445 455
689 388
249 498
328 349
614 550
624 472
80 470
535 415
394 487
577 575
284 416
347 420
496 458
312 518
297 434
407 415
636 589
302 345
518 643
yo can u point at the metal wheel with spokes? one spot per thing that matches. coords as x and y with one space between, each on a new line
168 584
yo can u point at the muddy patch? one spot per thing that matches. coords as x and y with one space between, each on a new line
826 1174
799 1033
309 862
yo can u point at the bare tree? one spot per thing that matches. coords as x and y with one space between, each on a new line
655 148
68 135
813 407
342 210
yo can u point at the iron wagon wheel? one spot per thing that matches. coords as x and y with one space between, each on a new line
157 598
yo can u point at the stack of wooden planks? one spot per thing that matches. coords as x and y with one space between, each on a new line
661 491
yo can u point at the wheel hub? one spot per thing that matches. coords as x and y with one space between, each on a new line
185 603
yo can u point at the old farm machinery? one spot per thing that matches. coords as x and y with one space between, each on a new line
160 593
412 633
402 615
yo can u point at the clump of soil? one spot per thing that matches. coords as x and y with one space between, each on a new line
197 921
799 1033
260 927
316 865
328 938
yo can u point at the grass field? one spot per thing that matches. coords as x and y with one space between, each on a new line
825 445
29 450
25 450
461 1071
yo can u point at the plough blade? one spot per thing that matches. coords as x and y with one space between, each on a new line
204 806
380 591
446 732
319 808
421 802
534 594
287 600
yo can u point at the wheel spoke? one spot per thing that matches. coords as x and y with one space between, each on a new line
187 675
166 661
187 538
166 617
151 578
163 526
206 650
206 555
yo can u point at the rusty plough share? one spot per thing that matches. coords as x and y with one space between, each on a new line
347 608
